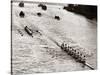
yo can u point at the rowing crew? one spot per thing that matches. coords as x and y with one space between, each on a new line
74 53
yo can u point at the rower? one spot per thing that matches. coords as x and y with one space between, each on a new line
69 50
77 56
62 46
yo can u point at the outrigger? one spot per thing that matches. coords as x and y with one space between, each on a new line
78 56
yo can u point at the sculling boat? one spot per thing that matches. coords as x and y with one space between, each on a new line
29 31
